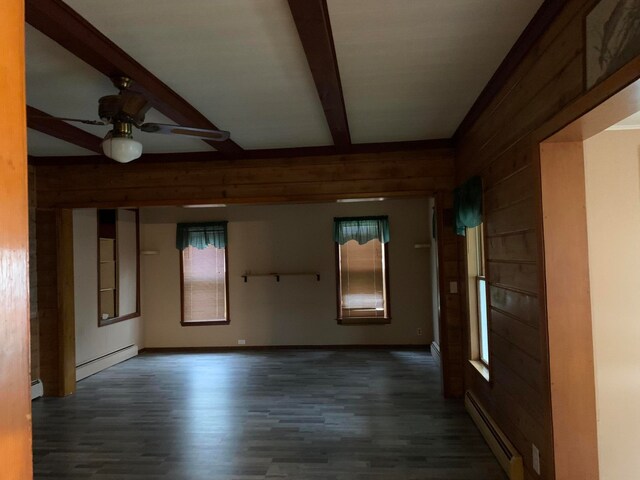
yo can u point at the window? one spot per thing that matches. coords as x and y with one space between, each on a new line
118 265
362 270
204 273
478 308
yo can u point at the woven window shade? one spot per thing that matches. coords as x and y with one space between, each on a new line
204 289
362 278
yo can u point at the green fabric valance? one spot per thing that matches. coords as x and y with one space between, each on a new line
467 205
360 229
201 235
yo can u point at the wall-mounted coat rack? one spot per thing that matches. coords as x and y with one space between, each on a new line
278 275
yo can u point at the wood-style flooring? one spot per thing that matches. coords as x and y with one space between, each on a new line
284 414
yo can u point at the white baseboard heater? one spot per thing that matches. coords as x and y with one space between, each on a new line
435 351
96 365
505 452
37 389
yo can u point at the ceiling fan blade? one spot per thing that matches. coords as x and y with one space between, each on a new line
216 135
64 119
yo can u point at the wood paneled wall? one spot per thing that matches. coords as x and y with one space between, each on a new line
502 146
56 320
15 397
300 179
451 321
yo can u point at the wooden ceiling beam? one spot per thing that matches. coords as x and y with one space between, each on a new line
299 153
64 25
37 120
314 28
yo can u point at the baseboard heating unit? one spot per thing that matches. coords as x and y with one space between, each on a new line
96 365
37 389
435 351
505 452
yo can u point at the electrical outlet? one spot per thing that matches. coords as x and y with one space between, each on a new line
419 331
242 342
535 458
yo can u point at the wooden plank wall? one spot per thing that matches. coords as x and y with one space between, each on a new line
281 180
502 146
451 321
56 320
15 397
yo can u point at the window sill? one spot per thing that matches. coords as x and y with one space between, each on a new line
481 368
103 322
364 321
208 323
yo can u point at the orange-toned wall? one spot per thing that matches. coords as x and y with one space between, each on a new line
15 397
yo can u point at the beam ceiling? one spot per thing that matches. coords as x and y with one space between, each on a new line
314 28
64 25
36 119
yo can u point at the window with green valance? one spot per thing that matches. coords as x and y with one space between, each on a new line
361 229
201 235
467 205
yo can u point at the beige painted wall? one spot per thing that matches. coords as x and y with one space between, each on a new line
612 171
298 310
92 341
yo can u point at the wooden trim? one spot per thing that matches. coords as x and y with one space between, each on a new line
261 348
62 130
66 303
354 321
387 279
314 28
566 273
338 292
64 25
258 154
137 313
111 321
591 113
15 397
615 108
531 34
227 321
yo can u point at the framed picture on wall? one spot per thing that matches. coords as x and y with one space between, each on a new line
612 38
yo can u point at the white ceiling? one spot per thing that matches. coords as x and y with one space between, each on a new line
410 69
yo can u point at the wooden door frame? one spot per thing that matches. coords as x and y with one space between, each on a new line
566 266
15 399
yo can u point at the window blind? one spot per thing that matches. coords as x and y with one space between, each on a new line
204 289
362 279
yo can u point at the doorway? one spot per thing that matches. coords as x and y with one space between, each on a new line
590 183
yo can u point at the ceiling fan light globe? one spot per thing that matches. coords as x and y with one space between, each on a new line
121 149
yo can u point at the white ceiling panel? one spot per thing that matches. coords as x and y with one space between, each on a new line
42 145
239 62
60 84
411 69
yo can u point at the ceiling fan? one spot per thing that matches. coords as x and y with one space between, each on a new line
127 110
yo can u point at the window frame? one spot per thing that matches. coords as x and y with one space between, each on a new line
387 292
227 320
478 274
118 318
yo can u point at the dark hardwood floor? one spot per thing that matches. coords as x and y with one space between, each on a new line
286 414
